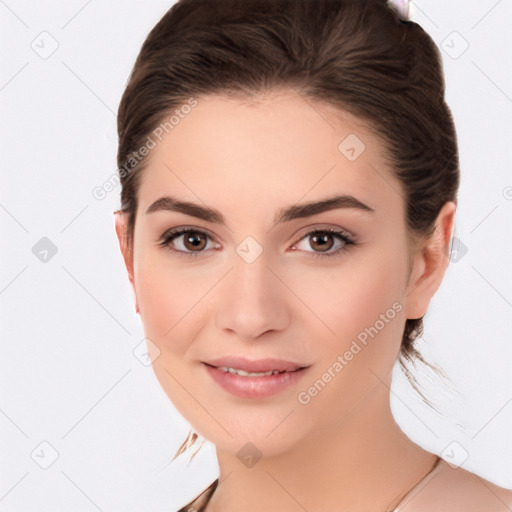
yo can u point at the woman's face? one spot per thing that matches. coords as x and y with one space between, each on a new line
259 283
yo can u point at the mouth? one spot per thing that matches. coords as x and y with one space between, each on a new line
254 379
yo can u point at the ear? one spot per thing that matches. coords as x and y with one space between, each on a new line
430 262
121 224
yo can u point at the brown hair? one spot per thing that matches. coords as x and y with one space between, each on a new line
357 55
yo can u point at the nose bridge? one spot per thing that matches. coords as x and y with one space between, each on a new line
252 299
251 279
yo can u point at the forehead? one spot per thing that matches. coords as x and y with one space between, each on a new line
278 147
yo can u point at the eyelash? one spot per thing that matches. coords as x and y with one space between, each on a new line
172 234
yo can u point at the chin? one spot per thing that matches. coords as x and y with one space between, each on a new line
256 444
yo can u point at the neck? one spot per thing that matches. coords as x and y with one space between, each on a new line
364 462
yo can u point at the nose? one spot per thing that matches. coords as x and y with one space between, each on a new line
252 300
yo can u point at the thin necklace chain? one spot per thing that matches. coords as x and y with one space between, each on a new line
394 507
390 508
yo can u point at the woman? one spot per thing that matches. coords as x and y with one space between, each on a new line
289 175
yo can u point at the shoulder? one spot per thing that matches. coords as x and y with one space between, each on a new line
458 490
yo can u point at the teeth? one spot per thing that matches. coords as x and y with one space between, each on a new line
249 374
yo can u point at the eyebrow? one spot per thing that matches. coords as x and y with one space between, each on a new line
168 203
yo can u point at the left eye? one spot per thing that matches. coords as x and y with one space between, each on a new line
319 238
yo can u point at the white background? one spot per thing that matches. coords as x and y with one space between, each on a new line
68 327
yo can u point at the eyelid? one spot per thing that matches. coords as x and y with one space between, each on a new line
306 230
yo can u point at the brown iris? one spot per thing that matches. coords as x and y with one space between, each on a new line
194 241
320 239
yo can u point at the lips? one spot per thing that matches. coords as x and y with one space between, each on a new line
249 379
258 365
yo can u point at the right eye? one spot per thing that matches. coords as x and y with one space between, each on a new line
191 242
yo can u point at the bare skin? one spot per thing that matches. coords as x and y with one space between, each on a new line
341 449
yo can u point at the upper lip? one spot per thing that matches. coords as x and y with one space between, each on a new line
257 365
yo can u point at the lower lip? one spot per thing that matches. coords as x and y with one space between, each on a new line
254 387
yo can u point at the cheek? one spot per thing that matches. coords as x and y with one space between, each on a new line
362 305
169 301
353 296
171 305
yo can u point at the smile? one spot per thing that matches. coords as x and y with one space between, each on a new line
253 385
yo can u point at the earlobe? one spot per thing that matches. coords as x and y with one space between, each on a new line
121 224
430 264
